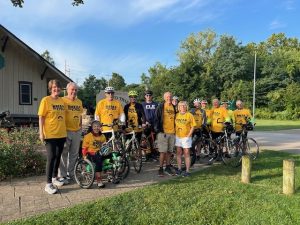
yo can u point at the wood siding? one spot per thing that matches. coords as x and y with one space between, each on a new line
22 65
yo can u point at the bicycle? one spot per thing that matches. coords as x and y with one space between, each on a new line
148 144
202 145
5 121
223 146
132 149
115 164
245 145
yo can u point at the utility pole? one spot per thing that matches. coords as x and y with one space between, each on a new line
254 81
108 78
67 71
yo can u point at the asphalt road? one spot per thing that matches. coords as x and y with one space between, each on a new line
283 140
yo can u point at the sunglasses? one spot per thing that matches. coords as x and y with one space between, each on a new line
110 93
132 96
148 95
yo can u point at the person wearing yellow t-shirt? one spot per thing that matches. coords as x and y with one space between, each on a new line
200 118
184 126
108 110
241 116
164 126
134 115
218 116
70 153
229 111
52 130
91 145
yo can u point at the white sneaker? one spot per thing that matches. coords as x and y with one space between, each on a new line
100 185
57 183
50 189
64 180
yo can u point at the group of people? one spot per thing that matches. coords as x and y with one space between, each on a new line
60 123
172 122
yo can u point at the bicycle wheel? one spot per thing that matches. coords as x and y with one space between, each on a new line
84 173
136 157
252 148
124 167
145 146
231 154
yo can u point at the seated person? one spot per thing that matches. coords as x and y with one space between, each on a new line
91 145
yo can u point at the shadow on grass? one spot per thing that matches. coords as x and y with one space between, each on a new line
267 166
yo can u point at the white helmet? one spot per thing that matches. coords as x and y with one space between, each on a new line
109 89
197 100
175 97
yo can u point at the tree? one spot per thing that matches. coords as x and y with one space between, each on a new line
198 47
117 81
88 91
19 3
46 55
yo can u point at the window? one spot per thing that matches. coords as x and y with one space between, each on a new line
25 93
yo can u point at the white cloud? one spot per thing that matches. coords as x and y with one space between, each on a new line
289 4
276 24
82 61
59 15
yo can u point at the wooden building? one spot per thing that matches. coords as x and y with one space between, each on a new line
24 75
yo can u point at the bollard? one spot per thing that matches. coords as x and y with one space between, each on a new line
246 169
288 186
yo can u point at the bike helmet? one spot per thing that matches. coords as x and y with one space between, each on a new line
132 93
95 122
197 100
224 102
148 92
175 97
105 150
109 90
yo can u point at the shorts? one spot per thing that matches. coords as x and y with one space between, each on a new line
185 142
165 142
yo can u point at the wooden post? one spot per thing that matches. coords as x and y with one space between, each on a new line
246 169
288 186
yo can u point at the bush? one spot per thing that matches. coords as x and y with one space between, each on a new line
289 114
18 155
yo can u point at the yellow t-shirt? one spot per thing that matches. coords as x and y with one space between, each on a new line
132 116
73 113
93 143
169 119
108 111
184 123
218 117
240 116
198 118
53 110
208 113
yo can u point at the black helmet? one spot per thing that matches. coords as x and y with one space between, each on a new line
148 92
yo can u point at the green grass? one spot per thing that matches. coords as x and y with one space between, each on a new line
273 125
211 196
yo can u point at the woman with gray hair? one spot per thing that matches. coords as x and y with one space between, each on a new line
70 153
184 127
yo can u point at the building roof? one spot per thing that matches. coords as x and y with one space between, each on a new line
34 54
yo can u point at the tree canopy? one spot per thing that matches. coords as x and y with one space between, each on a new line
212 65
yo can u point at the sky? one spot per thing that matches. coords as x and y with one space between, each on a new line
129 36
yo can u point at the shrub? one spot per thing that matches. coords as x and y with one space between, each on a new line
289 114
18 155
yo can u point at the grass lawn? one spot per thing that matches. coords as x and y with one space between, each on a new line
273 125
211 196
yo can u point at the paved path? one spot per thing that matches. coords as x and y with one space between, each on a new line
287 140
24 197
